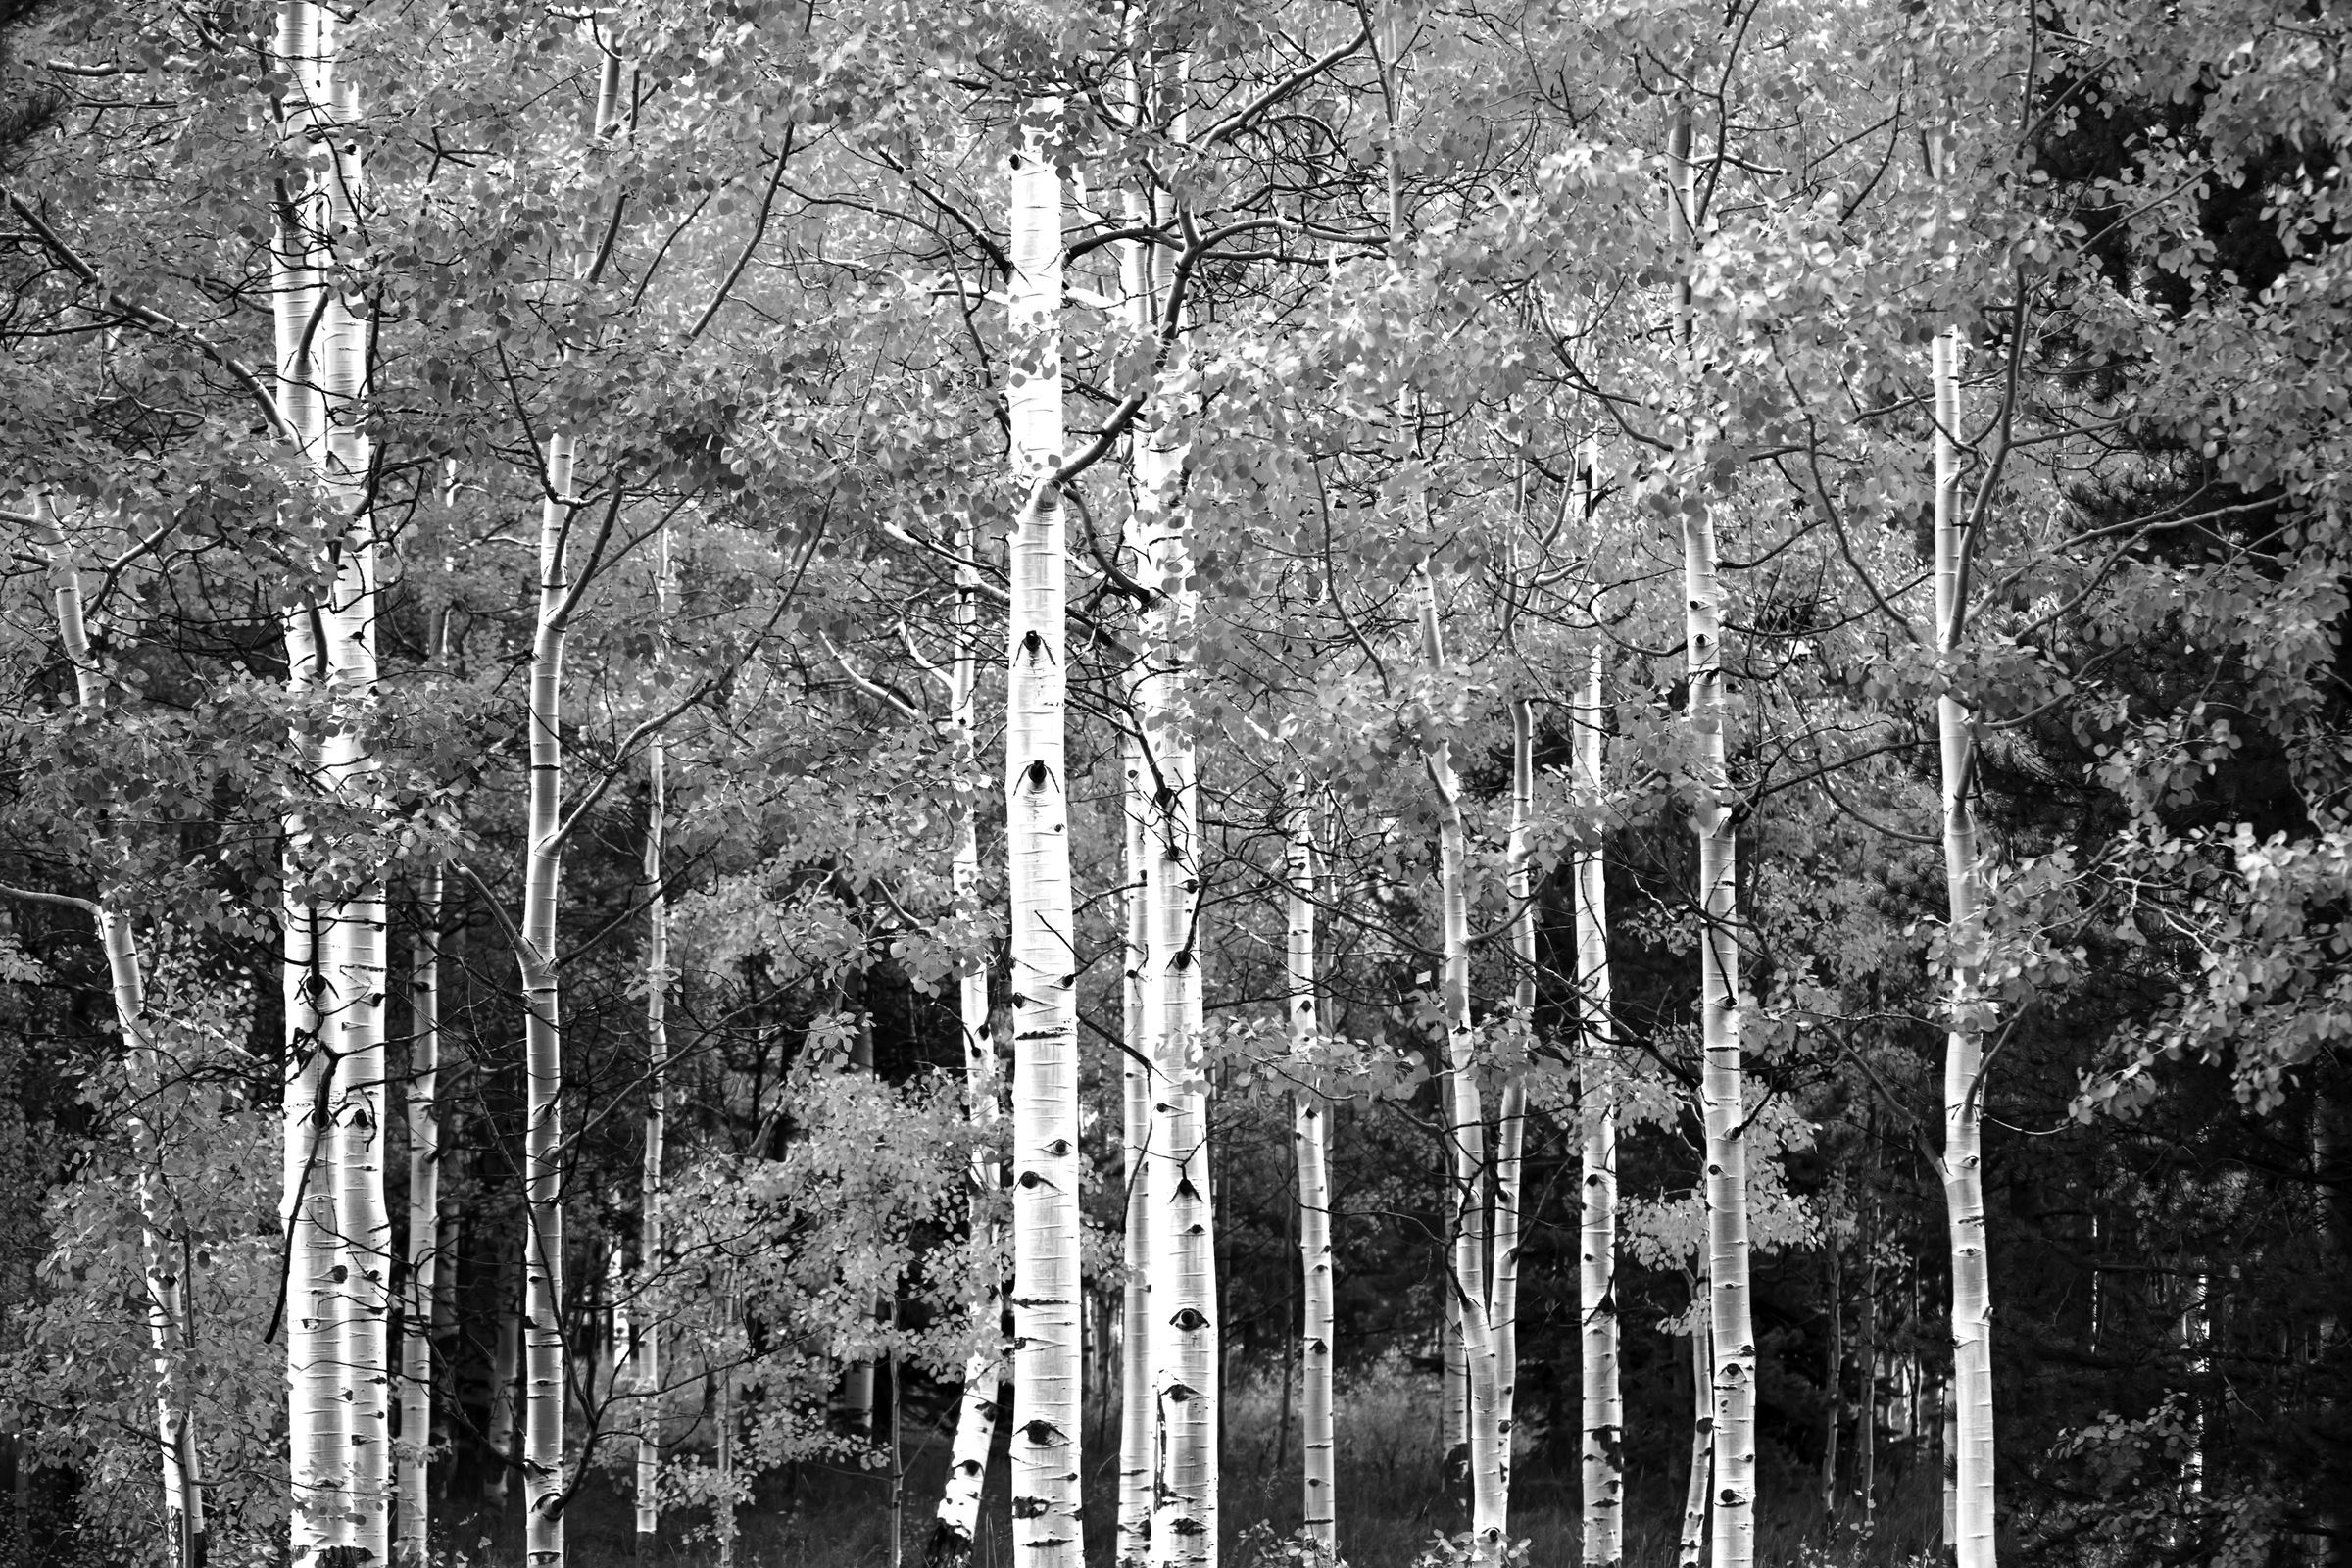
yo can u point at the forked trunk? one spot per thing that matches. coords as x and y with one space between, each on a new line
1047 1291
1465 1138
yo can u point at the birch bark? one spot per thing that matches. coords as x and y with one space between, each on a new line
1046 1348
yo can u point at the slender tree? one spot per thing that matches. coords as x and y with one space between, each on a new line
1138 1425
1970 1433
646 1355
1722 1086
984 1370
1309 1139
162 1258
1603 1401
1465 1129
411 1543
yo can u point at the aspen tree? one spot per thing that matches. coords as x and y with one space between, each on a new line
1310 1138
1046 1361
319 1449
356 956
160 1252
1184 1298
410 1536
545 1471
1138 1425
1723 1081
1465 1132
982 1372
1962 1166
1510 1119
645 1354
1139 1417
1603 1401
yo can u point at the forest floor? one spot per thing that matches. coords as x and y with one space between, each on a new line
1393 1507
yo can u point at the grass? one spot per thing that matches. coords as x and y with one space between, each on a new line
1392 1506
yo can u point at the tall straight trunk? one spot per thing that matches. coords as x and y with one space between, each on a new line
1310 1138
319 1449
1185 1303
984 1370
645 1356
1465 1136
1603 1400
1138 1425
160 1252
1046 1359
1963 1160
1510 1119
410 1546
543 1369
645 1353
356 956
1723 1081
1693 1541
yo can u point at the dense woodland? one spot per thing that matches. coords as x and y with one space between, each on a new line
1157 782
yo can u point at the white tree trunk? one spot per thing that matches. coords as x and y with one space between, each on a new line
982 1372
1723 1080
1963 1170
1184 1302
410 1546
1510 1120
1046 1348
160 1252
645 1359
1465 1138
356 956
1138 1425
543 1352
319 1449
1310 1138
1604 1402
